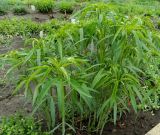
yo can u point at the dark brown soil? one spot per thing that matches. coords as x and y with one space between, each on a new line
134 124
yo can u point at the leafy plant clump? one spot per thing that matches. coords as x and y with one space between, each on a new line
44 6
66 6
93 70
19 125
21 27
19 10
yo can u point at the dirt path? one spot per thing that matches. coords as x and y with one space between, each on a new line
37 17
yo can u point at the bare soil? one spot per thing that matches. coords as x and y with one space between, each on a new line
34 17
134 124
16 43
9 104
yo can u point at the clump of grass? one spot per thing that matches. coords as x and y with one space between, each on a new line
66 7
44 6
19 10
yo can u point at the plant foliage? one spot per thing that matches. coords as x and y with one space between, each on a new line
45 6
92 70
19 125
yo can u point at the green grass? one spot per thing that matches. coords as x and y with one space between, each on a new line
66 6
19 10
44 6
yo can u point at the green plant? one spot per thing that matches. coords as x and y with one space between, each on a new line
27 28
66 6
44 6
93 70
19 125
19 10
5 40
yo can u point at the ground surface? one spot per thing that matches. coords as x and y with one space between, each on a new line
134 125
130 124
11 104
35 16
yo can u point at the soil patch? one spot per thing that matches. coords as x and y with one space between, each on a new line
33 16
17 43
9 104
37 17
133 124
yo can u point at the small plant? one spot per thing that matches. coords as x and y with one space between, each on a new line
44 6
66 7
19 125
5 40
19 10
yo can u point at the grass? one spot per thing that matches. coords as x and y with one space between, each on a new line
66 6
44 6
93 70
19 10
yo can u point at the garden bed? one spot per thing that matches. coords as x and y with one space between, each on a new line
82 72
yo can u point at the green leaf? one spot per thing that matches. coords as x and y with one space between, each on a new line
98 78
133 100
79 89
